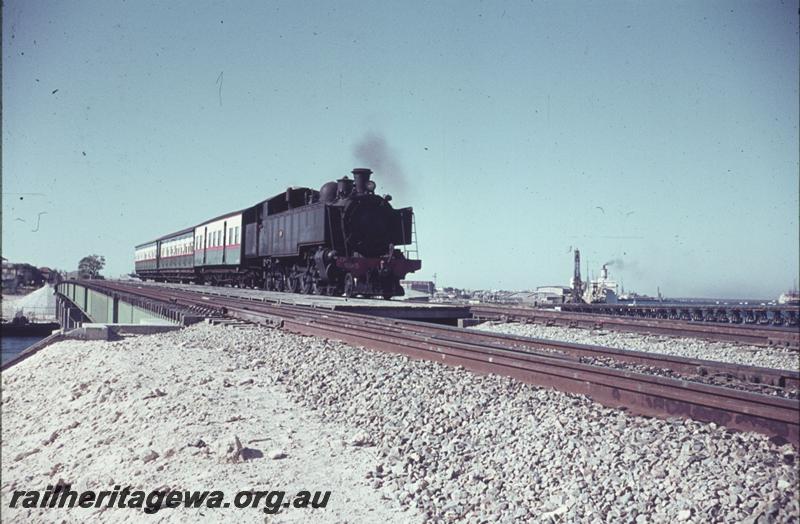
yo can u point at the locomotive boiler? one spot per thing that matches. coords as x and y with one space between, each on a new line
341 240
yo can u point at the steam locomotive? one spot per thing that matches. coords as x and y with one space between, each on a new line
340 240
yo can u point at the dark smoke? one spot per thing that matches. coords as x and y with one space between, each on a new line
630 268
373 152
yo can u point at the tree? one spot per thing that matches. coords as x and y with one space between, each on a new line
90 266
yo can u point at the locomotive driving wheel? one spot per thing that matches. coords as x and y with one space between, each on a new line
306 283
349 285
278 282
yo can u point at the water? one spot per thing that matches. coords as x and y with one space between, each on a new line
13 346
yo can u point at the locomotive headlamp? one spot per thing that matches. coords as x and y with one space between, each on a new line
388 198
371 186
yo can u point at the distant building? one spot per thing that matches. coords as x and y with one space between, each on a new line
48 274
551 294
522 297
16 276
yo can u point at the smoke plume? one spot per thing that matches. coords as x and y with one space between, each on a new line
373 152
631 268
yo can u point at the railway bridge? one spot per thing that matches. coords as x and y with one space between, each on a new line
112 302
78 302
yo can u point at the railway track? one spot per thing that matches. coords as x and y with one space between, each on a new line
541 362
741 333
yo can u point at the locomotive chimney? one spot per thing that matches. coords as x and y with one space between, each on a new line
361 176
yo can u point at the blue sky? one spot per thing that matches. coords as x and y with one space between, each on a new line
660 135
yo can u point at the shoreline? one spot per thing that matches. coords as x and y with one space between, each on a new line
32 349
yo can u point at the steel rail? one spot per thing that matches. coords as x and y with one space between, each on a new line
761 335
684 365
758 375
640 393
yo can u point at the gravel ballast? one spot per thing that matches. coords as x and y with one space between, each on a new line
440 442
177 411
768 357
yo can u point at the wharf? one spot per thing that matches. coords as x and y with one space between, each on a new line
28 329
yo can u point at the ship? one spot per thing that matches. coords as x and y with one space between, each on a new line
602 290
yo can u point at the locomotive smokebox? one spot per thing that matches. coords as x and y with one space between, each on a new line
361 176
